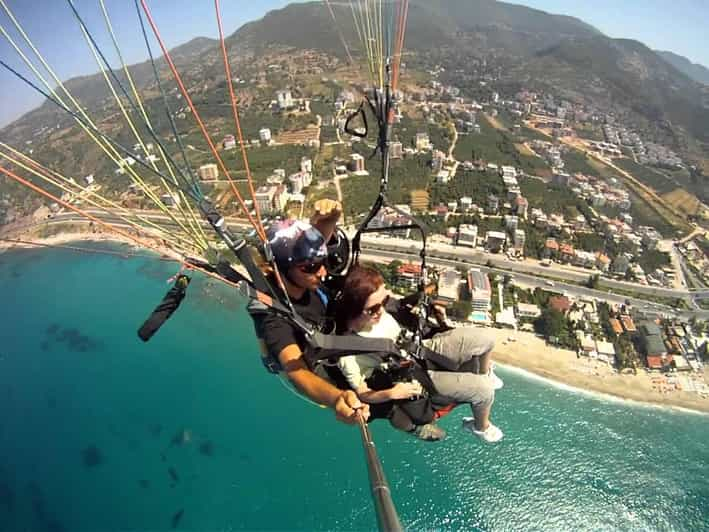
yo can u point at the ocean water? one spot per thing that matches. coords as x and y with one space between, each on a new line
99 431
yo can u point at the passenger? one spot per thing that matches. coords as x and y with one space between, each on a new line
300 252
463 354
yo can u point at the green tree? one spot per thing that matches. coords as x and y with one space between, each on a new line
593 281
551 323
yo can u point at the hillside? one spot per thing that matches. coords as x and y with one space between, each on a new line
637 78
695 71
535 48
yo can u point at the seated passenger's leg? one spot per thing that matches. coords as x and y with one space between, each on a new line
462 349
476 390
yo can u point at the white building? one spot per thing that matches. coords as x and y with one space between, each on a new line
519 240
89 180
466 203
208 172
280 198
264 135
495 240
422 142
297 182
449 286
264 198
285 100
396 150
229 142
468 235
525 310
306 165
480 290
357 164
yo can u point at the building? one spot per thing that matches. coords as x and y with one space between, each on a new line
493 204
566 252
519 240
616 326
439 158
264 198
280 198
560 303
285 100
89 180
466 203
208 172
306 165
620 265
651 238
396 150
511 223
628 324
408 275
449 286
495 241
357 164
229 142
419 200
422 142
603 263
468 235
521 207
480 290
265 135
296 183
528 311
606 351
170 200
551 247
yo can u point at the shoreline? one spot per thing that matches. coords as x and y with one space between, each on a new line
517 351
530 355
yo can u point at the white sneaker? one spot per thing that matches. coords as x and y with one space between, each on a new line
496 381
491 434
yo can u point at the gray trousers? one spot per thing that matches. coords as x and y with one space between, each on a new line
459 351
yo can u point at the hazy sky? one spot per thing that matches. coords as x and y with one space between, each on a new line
677 25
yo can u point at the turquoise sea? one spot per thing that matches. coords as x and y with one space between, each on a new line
88 413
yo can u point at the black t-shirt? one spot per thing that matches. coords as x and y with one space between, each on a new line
277 332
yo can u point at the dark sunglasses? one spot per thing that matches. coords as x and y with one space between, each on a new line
311 267
376 309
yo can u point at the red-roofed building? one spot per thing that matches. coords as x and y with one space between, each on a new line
552 245
616 326
603 263
408 275
658 362
628 324
560 303
566 252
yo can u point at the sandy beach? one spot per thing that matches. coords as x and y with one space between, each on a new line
531 353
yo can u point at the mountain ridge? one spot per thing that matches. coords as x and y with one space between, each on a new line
696 71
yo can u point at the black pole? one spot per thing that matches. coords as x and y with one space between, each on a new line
387 516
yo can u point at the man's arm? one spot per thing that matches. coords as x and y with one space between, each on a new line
344 402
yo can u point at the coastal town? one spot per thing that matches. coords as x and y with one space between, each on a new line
506 183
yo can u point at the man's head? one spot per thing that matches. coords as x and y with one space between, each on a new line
300 252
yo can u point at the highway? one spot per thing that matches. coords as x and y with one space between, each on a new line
534 281
476 256
452 256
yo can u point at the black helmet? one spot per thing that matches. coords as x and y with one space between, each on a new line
296 242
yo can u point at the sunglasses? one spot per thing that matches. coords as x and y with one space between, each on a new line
376 309
311 267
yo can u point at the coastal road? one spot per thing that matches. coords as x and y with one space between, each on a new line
534 281
447 251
